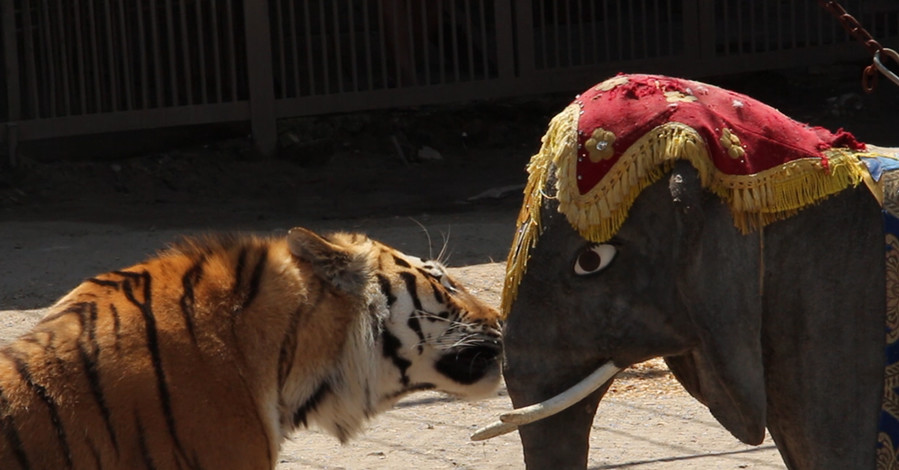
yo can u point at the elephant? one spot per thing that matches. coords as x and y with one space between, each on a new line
766 296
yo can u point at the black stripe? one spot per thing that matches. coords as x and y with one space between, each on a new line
11 434
104 282
438 295
116 324
401 262
192 277
52 407
428 274
90 352
386 289
142 442
256 278
409 279
238 269
98 462
390 349
146 310
415 326
311 403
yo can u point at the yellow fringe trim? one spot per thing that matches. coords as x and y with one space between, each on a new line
754 200
559 141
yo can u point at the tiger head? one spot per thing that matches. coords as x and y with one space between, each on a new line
422 330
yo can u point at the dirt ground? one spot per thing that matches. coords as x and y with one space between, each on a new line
415 179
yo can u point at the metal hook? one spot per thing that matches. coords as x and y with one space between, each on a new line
891 54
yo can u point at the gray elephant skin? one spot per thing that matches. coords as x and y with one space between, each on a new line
779 328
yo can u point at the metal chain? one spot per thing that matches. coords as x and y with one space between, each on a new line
857 31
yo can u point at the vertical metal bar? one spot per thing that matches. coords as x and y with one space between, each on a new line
395 34
820 29
111 58
632 37
541 23
142 51
694 31
581 37
593 56
739 28
425 34
95 57
11 61
326 78
353 56
410 44
441 51
47 55
778 44
605 31
671 28
64 44
201 53
568 45
79 56
294 45
645 18
485 44
278 25
28 32
158 83
382 35
557 25
125 41
310 64
469 39
524 26
793 28
620 29
172 49
455 42
338 48
278 46
505 48
185 53
260 77
232 53
216 57
366 21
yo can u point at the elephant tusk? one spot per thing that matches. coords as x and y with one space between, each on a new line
511 420
490 431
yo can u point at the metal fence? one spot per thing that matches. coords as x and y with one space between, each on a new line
91 66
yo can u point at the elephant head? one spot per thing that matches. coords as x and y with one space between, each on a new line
770 314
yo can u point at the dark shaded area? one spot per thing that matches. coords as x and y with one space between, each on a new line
394 162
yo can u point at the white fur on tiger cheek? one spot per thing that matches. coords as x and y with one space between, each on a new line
369 377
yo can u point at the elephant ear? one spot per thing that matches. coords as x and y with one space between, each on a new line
718 286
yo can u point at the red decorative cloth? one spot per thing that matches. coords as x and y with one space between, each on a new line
744 136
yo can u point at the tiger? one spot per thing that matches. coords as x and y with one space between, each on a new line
211 353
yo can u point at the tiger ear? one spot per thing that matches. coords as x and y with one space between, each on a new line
335 263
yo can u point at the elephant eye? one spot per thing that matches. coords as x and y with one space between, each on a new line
593 259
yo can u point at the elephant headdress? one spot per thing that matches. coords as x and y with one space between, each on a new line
627 132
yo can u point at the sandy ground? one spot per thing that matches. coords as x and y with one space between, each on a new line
67 214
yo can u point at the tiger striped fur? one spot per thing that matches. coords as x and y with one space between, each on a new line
210 354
